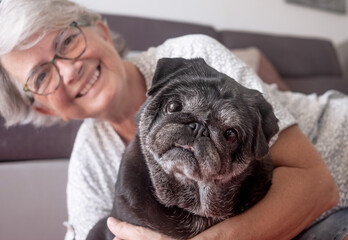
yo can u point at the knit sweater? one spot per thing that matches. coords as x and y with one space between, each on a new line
98 149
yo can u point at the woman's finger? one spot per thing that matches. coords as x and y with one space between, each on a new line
126 231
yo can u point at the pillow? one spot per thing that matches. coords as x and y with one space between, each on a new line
256 60
250 56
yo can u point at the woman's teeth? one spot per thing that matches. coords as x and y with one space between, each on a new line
90 84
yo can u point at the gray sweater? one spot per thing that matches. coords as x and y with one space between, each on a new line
98 149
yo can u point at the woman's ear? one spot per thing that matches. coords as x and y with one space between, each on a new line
103 30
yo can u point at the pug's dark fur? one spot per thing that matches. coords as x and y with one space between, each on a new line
200 154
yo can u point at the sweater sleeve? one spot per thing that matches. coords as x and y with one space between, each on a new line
92 175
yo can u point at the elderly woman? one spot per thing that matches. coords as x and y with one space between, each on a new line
59 61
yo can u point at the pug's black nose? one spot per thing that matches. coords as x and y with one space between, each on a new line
198 130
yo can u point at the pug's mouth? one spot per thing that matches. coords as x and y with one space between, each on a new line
185 147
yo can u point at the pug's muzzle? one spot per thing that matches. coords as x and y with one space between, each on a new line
190 153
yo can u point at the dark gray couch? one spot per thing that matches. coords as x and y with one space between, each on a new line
33 162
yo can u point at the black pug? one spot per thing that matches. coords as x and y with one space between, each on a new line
200 154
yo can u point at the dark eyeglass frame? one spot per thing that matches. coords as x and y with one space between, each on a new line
57 56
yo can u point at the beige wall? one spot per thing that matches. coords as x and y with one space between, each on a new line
273 16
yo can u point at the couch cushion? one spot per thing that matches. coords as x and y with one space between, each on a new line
292 56
27 142
317 84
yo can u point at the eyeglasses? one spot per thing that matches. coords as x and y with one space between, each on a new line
69 44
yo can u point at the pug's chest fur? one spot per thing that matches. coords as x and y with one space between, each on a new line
136 200
151 198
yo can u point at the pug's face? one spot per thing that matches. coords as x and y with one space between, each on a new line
201 126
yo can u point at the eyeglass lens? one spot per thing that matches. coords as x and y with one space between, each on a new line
69 44
44 79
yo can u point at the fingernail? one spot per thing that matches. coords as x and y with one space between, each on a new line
112 221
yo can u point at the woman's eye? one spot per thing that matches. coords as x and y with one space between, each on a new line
230 135
39 80
68 41
173 106
67 44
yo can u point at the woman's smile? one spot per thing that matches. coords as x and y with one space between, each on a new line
89 83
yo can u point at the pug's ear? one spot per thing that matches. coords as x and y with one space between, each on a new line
267 127
165 69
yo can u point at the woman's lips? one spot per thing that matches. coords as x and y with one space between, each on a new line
90 83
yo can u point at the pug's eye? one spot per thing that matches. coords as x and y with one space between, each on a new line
173 106
230 135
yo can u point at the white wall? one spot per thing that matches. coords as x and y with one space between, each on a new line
272 16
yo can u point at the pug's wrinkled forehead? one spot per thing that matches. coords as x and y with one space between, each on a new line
195 89
194 83
191 86
203 96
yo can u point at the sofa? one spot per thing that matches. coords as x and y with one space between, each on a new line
34 162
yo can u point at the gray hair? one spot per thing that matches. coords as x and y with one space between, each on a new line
20 21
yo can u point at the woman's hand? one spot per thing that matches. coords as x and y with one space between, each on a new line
126 231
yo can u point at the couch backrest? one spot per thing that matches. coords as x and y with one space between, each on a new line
142 33
292 56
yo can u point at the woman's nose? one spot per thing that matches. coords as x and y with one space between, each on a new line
69 70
